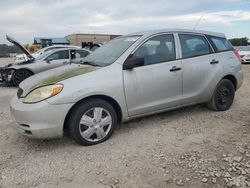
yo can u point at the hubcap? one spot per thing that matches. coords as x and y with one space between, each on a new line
95 124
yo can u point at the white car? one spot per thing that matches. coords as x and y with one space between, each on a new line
23 57
244 52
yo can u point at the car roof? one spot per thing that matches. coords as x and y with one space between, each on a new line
72 48
172 30
61 46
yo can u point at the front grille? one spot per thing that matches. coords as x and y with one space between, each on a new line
19 92
1 75
28 132
24 125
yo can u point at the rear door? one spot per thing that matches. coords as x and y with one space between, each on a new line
201 68
158 84
225 49
56 59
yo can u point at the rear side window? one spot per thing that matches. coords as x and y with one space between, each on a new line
193 45
220 44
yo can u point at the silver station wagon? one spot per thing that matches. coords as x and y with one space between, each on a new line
131 76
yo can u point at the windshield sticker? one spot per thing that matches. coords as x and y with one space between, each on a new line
131 39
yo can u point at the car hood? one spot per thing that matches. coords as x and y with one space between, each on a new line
54 76
244 52
21 47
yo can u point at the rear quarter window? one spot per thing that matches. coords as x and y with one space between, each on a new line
220 44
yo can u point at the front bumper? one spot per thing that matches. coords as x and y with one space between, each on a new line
6 75
40 120
1 75
245 59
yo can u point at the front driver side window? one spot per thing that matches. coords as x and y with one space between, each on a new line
157 49
60 55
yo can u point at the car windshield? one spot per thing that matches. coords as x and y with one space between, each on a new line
39 51
111 51
243 48
39 57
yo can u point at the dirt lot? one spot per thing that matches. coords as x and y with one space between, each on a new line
191 147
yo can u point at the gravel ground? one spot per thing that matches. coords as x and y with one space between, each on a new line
190 147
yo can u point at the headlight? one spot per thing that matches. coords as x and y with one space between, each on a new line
43 93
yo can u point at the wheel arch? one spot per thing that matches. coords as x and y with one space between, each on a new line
27 69
232 79
106 98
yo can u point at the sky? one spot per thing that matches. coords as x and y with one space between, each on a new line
27 19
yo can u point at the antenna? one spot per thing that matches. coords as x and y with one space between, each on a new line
197 23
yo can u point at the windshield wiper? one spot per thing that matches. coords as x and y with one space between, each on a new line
89 63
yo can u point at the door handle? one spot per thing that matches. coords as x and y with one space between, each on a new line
65 62
214 62
174 68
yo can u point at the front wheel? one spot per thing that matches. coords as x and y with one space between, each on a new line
20 75
223 96
92 122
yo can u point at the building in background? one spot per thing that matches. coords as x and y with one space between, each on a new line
84 39
44 42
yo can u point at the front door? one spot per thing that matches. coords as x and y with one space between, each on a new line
56 59
158 84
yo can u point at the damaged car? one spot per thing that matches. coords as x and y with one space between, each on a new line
23 57
14 74
129 77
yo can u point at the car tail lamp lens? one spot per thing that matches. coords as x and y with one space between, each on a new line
237 54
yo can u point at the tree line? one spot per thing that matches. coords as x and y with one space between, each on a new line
6 49
240 41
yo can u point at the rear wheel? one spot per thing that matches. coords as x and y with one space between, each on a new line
20 75
92 122
223 96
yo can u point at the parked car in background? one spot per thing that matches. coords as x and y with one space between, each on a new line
23 57
244 52
92 46
16 73
130 76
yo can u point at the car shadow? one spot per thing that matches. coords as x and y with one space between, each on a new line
124 128
176 114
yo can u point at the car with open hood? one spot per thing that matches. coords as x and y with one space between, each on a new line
131 76
16 73
23 57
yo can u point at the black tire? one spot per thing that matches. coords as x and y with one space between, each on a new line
20 75
223 96
77 113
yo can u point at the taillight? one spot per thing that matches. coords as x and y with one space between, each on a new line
236 52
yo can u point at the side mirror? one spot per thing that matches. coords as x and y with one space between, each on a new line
132 62
49 60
